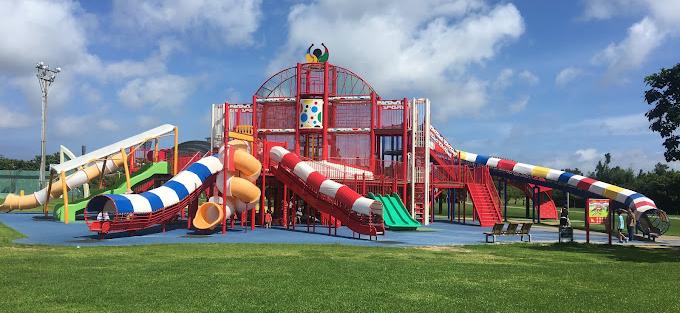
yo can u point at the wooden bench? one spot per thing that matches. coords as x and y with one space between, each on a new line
512 230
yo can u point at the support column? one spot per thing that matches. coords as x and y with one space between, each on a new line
262 198
176 152
255 127
64 191
285 206
404 148
127 169
225 166
298 72
371 156
324 134
505 200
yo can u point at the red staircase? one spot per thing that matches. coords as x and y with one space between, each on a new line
358 223
485 201
419 210
547 207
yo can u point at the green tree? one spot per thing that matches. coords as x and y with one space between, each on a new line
664 95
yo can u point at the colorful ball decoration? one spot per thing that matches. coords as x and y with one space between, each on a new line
311 113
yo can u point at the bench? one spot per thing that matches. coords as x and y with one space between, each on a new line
653 236
512 230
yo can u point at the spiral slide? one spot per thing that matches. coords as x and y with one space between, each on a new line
92 162
185 186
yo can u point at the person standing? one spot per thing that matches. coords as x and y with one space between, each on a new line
620 227
268 219
632 222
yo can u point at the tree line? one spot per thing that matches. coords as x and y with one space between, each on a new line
28 165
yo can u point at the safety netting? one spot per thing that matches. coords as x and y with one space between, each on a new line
350 114
349 148
276 115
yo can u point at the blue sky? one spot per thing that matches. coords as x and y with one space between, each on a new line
557 83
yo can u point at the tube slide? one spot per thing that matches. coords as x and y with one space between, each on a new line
317 181
630 199
15 202
240 191
93 167
171 193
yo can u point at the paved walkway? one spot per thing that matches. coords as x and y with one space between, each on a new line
47 232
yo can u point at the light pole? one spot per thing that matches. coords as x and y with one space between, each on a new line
46 77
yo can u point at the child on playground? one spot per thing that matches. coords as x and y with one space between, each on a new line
632 222
620 227
268 219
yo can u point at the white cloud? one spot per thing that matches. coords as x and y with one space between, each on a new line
621 125
529 77
422 47
519 105
145 121
165 91
231 21
566 75
660 20
643 37
605 9
504 79
12 119
74 125
31 31
587 155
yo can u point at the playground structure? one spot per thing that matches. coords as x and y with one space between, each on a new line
318 138
336 122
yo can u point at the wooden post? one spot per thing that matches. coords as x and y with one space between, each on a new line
101 174
127 170
64 191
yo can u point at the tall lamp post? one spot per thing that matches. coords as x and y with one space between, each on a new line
46 77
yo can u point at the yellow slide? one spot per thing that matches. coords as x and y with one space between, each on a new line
241 191
15 202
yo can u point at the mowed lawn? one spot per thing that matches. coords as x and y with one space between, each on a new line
332 278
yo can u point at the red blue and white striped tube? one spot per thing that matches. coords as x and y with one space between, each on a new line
320 183
629 198
171 193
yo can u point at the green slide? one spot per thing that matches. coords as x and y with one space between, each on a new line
146 172
394 212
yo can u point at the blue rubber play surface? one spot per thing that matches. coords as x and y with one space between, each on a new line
47 232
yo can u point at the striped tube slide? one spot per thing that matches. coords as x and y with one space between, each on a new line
171 193
317 181
629 198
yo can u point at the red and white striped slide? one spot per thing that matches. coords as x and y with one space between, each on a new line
319 182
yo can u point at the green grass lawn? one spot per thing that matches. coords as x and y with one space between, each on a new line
333 278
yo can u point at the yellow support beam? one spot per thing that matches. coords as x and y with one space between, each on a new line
64 191
127 170
176 154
